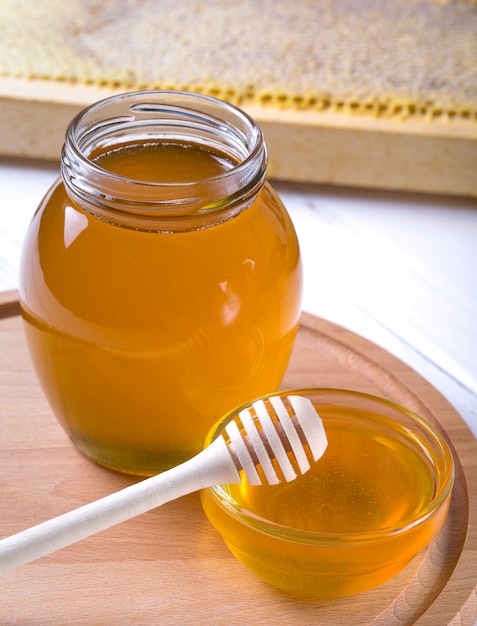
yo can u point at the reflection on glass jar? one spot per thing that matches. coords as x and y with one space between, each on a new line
160 278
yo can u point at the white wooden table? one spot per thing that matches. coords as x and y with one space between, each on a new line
399 269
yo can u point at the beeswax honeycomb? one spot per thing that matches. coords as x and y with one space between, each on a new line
392 57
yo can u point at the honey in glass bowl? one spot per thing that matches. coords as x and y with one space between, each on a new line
160 277
378 495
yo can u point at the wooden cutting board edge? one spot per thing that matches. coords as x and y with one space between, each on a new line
458 433
408 154
464 447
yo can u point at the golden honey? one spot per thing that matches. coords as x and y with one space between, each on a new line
355 519
147 324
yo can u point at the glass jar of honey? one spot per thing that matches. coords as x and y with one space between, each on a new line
160 277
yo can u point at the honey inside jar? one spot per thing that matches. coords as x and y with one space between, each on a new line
171 161
141 339
346 525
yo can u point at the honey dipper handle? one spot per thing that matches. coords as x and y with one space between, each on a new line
212 466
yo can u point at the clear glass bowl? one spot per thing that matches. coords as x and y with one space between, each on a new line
379 495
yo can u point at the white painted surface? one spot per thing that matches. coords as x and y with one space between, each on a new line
399 269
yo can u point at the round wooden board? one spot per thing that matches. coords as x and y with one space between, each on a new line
170 566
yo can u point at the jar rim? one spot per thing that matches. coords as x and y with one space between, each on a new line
156 114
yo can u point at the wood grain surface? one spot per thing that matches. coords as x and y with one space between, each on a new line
411 153
169 566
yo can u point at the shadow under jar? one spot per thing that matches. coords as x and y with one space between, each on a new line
160 277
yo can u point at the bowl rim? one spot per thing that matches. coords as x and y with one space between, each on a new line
286 533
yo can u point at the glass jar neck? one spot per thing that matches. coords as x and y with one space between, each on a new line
155 116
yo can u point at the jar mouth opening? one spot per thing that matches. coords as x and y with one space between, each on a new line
167 115
163 116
